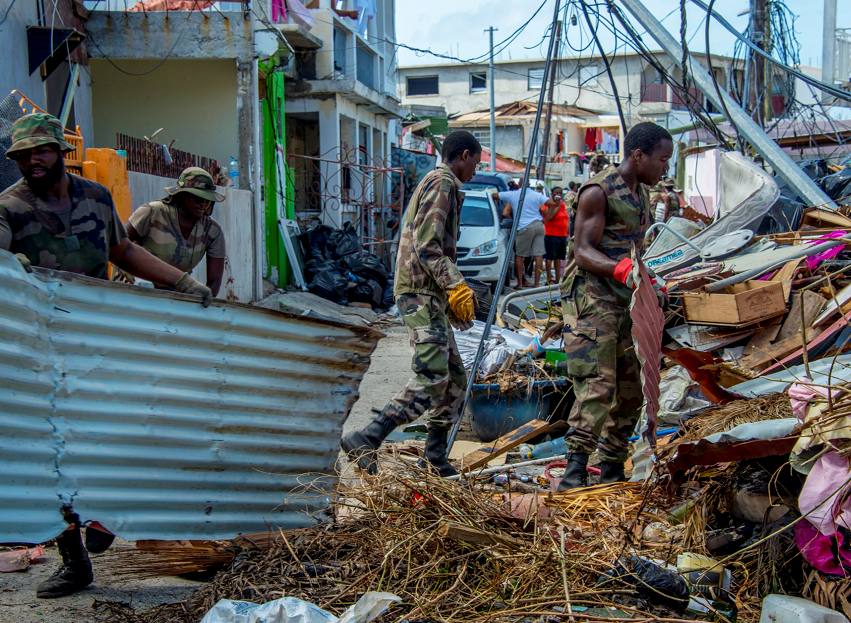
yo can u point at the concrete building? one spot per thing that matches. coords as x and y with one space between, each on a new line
341 108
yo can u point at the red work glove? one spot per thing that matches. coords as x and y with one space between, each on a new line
623 273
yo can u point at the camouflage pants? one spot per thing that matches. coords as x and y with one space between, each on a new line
603 366
440 379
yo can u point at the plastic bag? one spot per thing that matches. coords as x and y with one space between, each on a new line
838 185
368 266
313 242
483 296
368 291
316 266
652 582
342 242
292 610
814 168
388 299
331 284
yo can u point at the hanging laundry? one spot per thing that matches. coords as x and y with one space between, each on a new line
598 138
279 11
366 11
590 139
301 15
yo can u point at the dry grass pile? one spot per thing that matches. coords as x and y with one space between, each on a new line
730 415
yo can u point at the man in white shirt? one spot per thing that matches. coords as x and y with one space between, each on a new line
529 241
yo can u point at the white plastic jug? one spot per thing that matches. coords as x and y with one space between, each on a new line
785 609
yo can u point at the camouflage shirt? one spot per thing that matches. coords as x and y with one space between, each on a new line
627 218
158 226
76 240
425 261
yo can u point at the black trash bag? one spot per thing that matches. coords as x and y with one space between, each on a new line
655 584
784 216
331 284
388 299
342 242
368 291
483 296
368 266
315 266
814 168
313 242
838 185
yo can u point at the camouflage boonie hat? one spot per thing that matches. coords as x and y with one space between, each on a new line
37 129
197 181
669 182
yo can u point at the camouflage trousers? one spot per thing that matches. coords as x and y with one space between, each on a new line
604 369
440 379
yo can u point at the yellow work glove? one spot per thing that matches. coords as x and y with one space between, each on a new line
462 302
188 285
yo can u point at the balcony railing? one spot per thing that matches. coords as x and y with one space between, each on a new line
654 93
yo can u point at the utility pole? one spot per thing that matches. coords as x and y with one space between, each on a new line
545 144
491 89
758 97
828 47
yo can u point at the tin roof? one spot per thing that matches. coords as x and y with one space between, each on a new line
161 419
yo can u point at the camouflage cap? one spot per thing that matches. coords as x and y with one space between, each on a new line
197 181
37 129
669 182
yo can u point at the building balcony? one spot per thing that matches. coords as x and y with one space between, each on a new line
354 90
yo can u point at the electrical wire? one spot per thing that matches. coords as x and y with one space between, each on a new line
8 10
624 126
715 80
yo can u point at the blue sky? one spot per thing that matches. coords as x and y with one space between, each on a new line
454 28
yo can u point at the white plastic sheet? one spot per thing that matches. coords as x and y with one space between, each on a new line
292 610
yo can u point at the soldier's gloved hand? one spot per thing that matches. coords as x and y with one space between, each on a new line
461 325
25 262
623 273
462 302
188 285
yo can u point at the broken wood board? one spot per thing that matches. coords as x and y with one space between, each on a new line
787 272
819 217
777 351
511 440
475 536
842 297
461 448
813 304
765 336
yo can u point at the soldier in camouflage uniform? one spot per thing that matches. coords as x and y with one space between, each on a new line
179 229
53 219
612 214
426 282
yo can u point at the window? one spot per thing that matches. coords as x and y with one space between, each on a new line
588 75
422 85
339 50
366 66
476 212
536 79
478 83
483 136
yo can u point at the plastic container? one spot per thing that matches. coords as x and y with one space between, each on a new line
785 609
556 447
233 173
493 414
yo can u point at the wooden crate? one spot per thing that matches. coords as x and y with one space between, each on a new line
743 303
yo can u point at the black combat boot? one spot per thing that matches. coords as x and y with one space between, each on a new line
75 572
576 472
361 445
611 471
435 453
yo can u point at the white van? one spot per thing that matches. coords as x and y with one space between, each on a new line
482 242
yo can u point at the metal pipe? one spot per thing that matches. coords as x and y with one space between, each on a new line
480 351
756 272
668 228
506 468
503 303
756 136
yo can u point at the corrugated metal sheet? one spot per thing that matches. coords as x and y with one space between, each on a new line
162 419
648 321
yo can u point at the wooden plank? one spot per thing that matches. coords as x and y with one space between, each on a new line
764 337
475 536
460 448
777 351
787 272
813 304
511 440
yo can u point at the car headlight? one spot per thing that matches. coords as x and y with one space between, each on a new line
488 248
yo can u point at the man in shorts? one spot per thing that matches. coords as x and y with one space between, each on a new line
529 241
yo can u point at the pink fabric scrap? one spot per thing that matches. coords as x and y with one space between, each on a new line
823 497
822 552
801 394
279 11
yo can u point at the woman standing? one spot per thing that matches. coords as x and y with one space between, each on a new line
555 238
179 229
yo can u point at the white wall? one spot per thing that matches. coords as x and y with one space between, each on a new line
194 101
234 215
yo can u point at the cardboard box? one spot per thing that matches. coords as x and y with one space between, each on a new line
743 303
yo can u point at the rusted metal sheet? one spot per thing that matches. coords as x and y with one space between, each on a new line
648 321
160 419
700 368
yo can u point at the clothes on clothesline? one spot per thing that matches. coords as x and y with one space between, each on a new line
366 11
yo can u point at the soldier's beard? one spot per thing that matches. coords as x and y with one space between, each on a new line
40 185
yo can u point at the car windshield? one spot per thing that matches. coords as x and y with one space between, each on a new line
481 186
476 212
